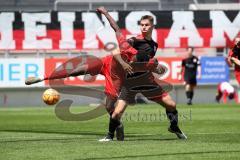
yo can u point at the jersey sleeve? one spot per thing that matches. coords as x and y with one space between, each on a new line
231 53
131 41
128 49
121 39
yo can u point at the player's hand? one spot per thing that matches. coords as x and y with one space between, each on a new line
155 62
160 69
152 64
232 59
127 68
101 10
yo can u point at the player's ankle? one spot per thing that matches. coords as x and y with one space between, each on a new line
110 135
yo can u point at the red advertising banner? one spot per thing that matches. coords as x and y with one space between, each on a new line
173 66
171 76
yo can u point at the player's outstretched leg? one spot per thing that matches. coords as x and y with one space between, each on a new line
32 80
80 70
174 128
166 101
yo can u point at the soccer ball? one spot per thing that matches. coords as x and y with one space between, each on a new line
50 96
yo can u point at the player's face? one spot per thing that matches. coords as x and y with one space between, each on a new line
189 52
146 26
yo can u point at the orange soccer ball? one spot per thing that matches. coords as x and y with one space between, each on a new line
50 96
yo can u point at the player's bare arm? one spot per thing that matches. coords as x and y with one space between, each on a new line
125 65
228 59
235 61
112 22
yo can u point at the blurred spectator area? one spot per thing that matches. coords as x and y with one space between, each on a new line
78 5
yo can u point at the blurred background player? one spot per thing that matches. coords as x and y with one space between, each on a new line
226 90
190 66
234 58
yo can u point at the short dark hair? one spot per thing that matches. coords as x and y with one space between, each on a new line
150 18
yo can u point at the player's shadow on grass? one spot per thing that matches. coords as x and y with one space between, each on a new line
130 137
151 137
160 155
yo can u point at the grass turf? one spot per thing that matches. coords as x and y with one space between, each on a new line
36 133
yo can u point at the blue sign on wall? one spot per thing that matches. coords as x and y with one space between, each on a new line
213 70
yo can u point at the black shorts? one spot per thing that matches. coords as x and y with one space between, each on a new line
144 84
190 80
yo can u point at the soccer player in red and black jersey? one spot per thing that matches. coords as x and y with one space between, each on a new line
234 58
146 48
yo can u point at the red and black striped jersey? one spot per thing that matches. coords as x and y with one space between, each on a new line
146 48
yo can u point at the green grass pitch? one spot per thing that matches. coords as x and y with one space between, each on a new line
37 134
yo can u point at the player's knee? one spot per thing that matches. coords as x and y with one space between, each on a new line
116 115
171 106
